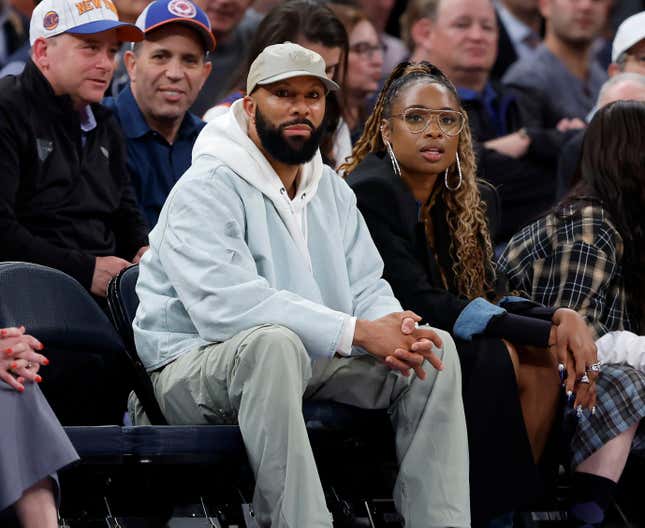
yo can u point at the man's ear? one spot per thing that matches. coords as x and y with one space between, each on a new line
206 70
249 105
613 69
39 52
420 33
130 61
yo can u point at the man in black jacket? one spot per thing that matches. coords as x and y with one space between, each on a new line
67 200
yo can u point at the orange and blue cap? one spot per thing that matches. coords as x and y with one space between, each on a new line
162 12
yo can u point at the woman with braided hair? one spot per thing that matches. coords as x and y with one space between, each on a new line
413 172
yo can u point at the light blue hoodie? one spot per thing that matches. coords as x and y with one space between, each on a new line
232 251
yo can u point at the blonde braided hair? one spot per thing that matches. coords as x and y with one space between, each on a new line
470 247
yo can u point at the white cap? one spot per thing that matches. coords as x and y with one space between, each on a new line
82 17
284 61
630 32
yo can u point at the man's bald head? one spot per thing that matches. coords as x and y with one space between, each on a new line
624 86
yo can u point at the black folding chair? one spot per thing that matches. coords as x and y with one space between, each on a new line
123 302
87 381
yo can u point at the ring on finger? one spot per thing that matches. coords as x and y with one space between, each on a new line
585 379
594 367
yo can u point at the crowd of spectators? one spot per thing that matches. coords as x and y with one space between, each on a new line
309 199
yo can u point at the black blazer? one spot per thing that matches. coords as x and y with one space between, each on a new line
391 214
506 54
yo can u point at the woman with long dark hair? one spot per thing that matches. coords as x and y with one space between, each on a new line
589 254
413 171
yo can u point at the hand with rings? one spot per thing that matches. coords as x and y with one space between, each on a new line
19 361
575 348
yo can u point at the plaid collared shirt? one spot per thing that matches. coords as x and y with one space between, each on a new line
572 259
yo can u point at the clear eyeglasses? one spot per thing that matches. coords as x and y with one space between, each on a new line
416 120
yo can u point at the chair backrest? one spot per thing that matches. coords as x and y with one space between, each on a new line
88 381
54 307
123 302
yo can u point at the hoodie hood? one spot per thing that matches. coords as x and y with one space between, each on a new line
226 139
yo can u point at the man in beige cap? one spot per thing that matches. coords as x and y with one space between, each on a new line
262 287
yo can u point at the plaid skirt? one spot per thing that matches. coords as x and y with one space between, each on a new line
620 404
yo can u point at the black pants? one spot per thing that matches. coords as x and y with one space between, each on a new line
503 476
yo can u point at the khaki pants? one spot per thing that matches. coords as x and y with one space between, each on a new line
262 374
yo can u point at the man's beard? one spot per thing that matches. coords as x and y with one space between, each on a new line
292 151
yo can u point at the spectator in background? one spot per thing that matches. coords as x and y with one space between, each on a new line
564 68
394 50
14 45
623 86
166 70
129 11
233 38
520 32
13 31
587 254
364 65
67 200
517 146
314 26
628 49
33 445
627 57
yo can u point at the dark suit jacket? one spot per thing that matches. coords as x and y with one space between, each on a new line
413 269
506 54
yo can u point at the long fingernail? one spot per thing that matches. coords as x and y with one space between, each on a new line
8 352
593 410
45 361
569 396
38 379
21 389
561 369
579 411
14 365
40 346
3 332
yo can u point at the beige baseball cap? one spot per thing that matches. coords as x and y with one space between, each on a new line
284 61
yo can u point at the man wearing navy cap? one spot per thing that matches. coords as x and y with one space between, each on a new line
167 70
66 200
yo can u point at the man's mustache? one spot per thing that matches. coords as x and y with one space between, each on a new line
298 122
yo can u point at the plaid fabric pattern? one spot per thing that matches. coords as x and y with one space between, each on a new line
573 260
621 404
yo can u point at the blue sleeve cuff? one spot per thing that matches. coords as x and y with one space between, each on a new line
475 317
510 299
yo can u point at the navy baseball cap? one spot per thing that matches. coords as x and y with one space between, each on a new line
54 17
162 12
